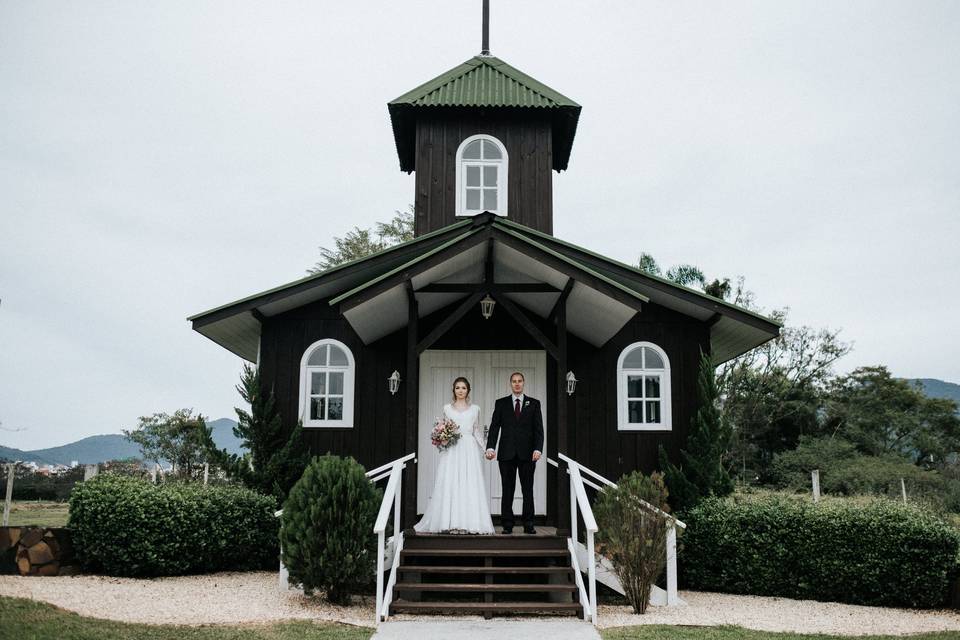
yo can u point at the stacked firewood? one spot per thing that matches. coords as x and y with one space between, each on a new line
39 552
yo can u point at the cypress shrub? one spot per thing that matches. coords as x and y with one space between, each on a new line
872 552
129 527
327 539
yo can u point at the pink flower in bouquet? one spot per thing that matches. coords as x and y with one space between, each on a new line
445 433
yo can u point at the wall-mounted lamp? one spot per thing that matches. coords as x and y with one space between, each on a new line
486 306
571 383
394 382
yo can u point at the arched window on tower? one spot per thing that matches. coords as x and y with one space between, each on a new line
481 176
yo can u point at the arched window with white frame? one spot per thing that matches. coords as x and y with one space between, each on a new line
327 373
481 176
643 388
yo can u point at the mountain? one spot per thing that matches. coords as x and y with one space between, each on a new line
111 446
940 389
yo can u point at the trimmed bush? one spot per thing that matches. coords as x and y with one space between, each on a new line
327 538
128 527
870 551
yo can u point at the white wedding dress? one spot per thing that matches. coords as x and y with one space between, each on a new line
459 500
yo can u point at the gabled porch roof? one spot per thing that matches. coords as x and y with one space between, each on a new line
530 270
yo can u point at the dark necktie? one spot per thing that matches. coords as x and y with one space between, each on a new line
516 409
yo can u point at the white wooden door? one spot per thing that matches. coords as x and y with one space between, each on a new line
489 376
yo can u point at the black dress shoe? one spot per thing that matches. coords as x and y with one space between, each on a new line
507 530
529 530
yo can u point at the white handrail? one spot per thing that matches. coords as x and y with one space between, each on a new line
575 565
609 483
578 498
391 500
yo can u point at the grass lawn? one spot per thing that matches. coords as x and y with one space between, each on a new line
666 632
30 620
42 514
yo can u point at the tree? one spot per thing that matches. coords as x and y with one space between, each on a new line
682 274
773 394
359 243
327 538
275 456
883 415
633 536
177 438
703 467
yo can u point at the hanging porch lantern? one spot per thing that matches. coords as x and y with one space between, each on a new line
486 306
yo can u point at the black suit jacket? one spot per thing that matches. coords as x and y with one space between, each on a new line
520 438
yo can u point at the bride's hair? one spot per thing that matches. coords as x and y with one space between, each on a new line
464 381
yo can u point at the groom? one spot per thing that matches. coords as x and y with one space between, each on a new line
520 448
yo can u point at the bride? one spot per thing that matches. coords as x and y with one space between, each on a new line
459 501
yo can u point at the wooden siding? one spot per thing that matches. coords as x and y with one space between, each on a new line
593 439
377 435
529 141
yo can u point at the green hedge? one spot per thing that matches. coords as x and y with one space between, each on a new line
128 527
875 552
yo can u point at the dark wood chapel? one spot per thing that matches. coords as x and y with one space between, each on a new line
364 353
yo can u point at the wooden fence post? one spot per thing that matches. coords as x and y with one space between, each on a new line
9 498
815 476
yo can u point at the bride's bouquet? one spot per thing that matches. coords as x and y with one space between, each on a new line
445 433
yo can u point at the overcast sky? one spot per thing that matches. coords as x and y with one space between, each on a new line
158 159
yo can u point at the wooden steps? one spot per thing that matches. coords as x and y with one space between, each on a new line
474 608
489 575
407 568
483 587
483 553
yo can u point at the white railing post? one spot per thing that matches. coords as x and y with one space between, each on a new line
396 506
283 581
573 510
379 576
592 573
671 563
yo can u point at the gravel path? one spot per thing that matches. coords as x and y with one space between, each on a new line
241 597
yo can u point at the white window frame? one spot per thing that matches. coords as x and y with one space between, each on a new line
503 166
666 398
348 386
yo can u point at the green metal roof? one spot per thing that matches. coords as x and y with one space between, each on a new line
484 82
236 326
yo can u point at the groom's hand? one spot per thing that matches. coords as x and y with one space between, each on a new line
536 456
489 455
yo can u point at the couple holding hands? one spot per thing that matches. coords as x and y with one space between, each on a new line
459 502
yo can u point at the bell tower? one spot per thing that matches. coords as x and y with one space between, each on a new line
483 136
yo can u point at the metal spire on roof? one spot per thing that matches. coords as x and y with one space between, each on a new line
485 47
